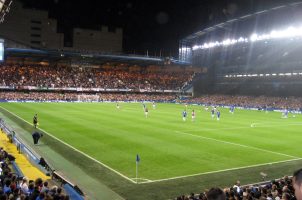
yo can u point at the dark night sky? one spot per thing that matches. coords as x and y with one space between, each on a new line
148 24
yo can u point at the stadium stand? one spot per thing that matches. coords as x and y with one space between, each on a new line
17 170
51 96
15 185
108 82
273 190
263 68
107 77
261 102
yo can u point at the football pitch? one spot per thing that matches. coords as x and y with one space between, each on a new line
169 148
176 157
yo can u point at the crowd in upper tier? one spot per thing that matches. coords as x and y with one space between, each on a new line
75 77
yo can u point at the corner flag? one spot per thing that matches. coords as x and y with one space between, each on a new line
137 158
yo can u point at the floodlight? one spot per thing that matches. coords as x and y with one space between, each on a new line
254 37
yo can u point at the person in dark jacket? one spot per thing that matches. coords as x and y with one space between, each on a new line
36 137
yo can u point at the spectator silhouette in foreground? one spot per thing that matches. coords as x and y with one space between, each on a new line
297 183
215 194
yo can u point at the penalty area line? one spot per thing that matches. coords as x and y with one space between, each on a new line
219 171
236 144
86 155
262 125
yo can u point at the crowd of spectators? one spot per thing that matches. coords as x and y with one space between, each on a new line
51 96
76 77
262 102
14 189
38 96
263 78
111 77
281 189
249 101
136 97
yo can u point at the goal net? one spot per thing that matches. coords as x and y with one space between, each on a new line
88 98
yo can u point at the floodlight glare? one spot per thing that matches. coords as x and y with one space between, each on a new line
290 32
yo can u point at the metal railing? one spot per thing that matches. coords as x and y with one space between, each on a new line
36 159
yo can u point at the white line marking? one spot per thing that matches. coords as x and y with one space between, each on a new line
247 127
262 125
144 180
217 129
224 170
237 144
122 175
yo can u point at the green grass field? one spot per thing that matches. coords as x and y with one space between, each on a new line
168 147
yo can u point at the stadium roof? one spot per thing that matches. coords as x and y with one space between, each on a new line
93 58
227 26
